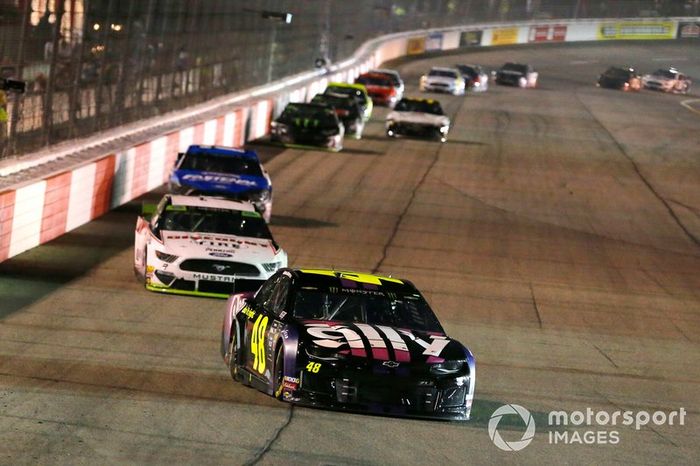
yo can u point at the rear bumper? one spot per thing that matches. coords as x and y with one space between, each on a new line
415 130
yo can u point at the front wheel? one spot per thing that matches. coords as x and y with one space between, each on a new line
232 353
278 381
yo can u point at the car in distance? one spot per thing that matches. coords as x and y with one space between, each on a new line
305 125
347 109
441 79
517 74
347 341
475 78
382 88
421 118
223 171
394 76
358 91
205 246
667 80
625 79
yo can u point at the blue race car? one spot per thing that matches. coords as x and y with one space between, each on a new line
226 172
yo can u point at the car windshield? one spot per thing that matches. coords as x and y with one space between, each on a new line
210 220
381 81
221 164
617 73
423 106
408 311
515 67
665 73
344 105
468 70
391 76
320 116
443 73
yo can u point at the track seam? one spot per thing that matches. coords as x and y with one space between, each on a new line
403 213
534 304
268 445
640 175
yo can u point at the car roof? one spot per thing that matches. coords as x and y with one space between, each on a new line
375 74
209 201
384 71
421 99
353 86
196 149
442 68
308 104
323 278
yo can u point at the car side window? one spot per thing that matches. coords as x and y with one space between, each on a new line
266 291
278 300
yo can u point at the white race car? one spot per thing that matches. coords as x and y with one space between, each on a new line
205 246
667 80
421 118
443 80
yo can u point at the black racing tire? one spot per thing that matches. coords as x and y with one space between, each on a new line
278 381
232 353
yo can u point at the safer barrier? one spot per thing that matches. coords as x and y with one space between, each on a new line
37 211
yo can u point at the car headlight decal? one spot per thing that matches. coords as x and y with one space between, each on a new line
165 257
449 368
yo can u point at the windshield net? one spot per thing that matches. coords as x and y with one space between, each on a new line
408 311
221 164
208 220
407 105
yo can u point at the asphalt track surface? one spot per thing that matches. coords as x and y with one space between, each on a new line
557 234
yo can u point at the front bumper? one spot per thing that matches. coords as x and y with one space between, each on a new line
171 279
305 141
396 392
438 87
417 130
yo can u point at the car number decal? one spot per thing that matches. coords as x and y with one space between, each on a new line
257 343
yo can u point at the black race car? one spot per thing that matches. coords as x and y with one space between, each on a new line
347 109
304 125
347 341
625 79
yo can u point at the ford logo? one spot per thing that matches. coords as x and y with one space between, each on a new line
220 254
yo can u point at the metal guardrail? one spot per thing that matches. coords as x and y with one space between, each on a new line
97 64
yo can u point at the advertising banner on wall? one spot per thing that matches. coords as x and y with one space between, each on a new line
434 42
547 33
415 45
470 38
686 30
504 36
637 30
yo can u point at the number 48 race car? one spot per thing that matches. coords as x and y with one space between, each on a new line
347 341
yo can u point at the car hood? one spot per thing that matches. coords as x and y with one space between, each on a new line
383 343
657 78
200 245
381 90
419 117
220 182
511 73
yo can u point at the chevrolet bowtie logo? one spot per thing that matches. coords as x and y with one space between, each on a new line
391 364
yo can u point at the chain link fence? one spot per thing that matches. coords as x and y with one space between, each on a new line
90 65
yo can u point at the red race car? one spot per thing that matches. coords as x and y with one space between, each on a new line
381 88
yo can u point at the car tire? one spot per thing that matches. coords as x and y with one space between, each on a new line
232 353
278 380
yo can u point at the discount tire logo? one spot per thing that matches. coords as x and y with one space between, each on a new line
516 445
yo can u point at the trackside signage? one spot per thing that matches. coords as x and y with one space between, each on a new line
584 427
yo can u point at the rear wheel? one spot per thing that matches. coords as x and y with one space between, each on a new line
278 382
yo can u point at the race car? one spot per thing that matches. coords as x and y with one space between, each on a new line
667 80
441 79
382 88
347 341
304 125
517 74
422 118
223 171
475 78
204 246
625 79
347 109
394 76
358 91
